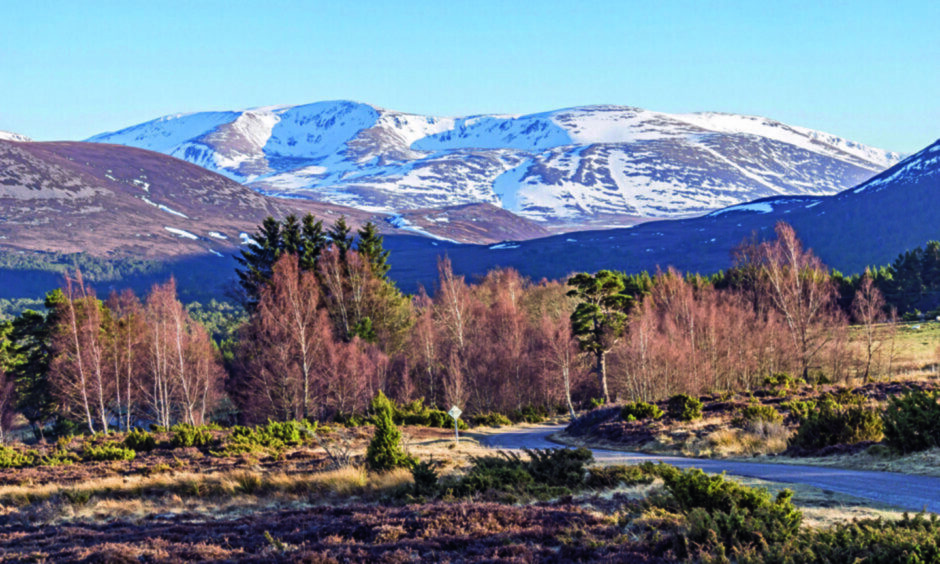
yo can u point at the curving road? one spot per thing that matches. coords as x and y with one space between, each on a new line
915 493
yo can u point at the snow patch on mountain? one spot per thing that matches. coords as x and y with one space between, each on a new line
181 233
10 136
566 165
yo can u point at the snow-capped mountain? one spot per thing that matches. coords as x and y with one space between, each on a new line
10 136
566 166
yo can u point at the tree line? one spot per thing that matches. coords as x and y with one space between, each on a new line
325 330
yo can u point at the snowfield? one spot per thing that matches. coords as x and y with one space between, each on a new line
566 166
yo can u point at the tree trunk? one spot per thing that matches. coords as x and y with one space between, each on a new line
602 375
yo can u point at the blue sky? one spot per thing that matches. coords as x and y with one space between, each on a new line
868 71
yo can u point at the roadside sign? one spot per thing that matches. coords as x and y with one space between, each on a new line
455 413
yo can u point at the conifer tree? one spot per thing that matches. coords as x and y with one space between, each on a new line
314 241
600 319
31 337
370 247
258 258
341 237
385 452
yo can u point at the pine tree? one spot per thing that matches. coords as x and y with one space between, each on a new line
370 247
385 452
341 237
314 241
600 319
258 258
31 337
290 240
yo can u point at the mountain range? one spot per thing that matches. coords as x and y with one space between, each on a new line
868 225
578 167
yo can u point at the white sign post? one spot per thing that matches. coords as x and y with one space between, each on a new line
455 413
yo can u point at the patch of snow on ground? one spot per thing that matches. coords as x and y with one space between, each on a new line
181 233
504 246
164 208
216 253
246 239
217 235
759 207
399 222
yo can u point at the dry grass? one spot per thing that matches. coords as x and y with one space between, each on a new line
760 438
228 491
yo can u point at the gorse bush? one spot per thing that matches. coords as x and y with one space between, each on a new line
417 414
684 407
12 458
425 477
726 514
529 414
106 452
183 435
274 435
562 467
872 541
385 452
490 420
912 422
835 423
757 413
543 473
140 441
799 409
606 477
640 410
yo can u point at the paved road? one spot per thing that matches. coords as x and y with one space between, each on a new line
901 490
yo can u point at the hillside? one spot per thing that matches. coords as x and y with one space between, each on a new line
866 225
594 165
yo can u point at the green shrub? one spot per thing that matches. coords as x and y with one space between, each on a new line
640 410
12 458
106 452
799 409
563 467
873 541
60 457
912 422
596 403
385 452
183 435
833 423
529 414
273 436
545 473
490 420
425 477
781 383
502 472
727 514
606 477
350 419
757 413
684 407
140 441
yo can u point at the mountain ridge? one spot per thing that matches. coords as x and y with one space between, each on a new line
563 166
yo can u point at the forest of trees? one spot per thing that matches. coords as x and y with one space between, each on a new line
323 330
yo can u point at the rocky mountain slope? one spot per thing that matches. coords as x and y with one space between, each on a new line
867 225
111 200
597 165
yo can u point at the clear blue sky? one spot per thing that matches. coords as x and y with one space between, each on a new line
868 71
